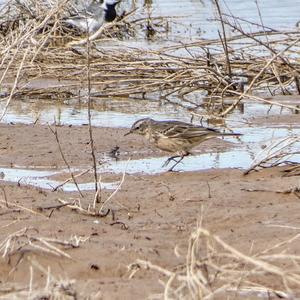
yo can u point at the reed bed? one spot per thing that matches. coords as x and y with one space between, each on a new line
37 46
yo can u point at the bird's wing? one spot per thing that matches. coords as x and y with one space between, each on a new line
177 129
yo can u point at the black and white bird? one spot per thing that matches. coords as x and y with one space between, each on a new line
89 16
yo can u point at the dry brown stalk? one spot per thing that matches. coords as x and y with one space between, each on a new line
10 205
55 133
142 75
229 109
71 178
284 60
114 192
92 145
14 85
224 40
54 288
76 205
92 210
21 239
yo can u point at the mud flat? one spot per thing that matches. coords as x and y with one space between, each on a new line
152 214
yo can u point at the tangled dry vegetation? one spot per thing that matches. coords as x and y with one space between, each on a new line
37 44
216 270
26 240
275 154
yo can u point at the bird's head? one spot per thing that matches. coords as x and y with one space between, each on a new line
109 4
109 9
140 126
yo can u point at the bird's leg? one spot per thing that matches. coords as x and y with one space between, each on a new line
182 156
176 163
170 159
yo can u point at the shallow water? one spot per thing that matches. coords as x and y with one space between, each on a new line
150 166
115 113
240 155
40 178
196 18
240 159
191 19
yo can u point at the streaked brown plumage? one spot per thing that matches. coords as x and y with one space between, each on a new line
174 136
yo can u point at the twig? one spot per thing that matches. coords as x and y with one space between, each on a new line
274 154
11 204
15 84
54 131
224 41
54 206
88 47
71 178
77 207
116 190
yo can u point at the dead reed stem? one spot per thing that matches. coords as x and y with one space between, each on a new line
98 194
55 133
224 40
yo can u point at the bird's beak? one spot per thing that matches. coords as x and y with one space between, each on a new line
129 132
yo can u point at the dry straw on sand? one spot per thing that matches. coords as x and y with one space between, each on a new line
216 270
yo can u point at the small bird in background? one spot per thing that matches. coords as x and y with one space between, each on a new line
89 17
174 136
114 153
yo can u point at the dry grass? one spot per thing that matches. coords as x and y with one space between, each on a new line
26 239
36 45
20 245
276 153
54 288
216 270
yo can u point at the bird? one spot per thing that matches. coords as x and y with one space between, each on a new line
90 17
174 136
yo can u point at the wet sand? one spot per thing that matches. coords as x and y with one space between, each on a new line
152 213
